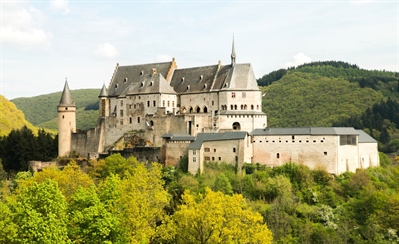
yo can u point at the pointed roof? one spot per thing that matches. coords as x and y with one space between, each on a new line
150 84
66 97
103 92
233 54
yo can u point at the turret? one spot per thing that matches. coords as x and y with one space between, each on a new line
103 102
66 121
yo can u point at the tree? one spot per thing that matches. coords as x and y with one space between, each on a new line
40 214
138 200
217 218
90 221
222 184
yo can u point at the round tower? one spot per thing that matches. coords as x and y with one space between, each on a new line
103 102
66 121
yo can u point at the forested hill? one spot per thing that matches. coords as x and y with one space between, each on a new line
334 94
42 110
11 117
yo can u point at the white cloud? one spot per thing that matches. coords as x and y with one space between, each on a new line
106 50
22 25
60 5
299 59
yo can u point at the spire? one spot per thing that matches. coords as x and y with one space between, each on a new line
66 97
233 55
103 92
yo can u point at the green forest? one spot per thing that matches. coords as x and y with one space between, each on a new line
119 200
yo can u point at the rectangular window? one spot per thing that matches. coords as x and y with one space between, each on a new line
347 140
163 103
233 94
148 103
244 95
207 149
121 121
214 150
207 158
194 152
213 158
121 112
121 102
194 159
173 104
154 103
220 158
213 103
168 103
138 120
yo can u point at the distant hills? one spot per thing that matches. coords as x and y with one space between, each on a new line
41 110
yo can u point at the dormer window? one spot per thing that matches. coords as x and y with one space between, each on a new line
116 86
188 88
182 79
142 73
201 77
141 84
151 83
205 86
225 84
125 80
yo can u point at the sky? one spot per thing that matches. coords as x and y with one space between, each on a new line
43 43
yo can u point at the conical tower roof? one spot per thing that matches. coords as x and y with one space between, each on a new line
66 97
103 92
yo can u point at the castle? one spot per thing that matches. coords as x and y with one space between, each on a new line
158 112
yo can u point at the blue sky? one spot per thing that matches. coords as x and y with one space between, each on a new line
43 42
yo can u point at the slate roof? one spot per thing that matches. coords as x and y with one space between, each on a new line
126 75
365 138
305 131
192 80
103 92
66 97
149 84
202 137
241 77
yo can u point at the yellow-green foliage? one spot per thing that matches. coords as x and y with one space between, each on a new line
12 118
302 99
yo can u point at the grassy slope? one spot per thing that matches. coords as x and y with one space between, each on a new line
43 108
12 118
85 119
304 99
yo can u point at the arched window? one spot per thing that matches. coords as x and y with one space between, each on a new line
236 126
205 109
252 107
151 123
198 109
231 107
242 107
245 107
257 107
191 110
235 107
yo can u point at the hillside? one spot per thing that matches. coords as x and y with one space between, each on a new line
12 118
301 99
42 110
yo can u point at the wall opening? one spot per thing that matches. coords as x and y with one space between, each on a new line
236 126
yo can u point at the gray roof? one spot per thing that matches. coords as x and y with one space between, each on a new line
103 92
305 131
241 112
202 137
365 138
66 97
149 84
241 77
198 79
179 137
126 75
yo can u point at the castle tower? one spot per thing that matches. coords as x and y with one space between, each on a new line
103 102
66 121
233 55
